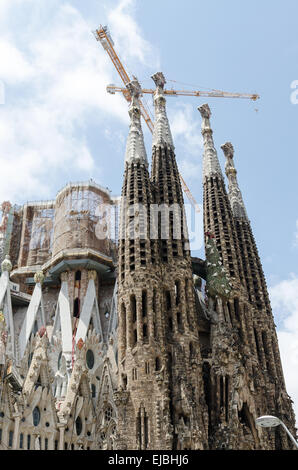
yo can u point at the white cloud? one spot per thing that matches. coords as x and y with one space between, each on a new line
128 35
284 299
13 65
186 131
55 75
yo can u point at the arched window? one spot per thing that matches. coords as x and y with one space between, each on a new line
144 303
168 300
93 390
36 416
157 364
135 337
10 438
78 276
90 359
237 308
179 321
79 426
133 306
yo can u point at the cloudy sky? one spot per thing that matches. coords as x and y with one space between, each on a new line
58 124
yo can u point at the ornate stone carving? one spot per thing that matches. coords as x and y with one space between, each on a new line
39 277
6 264
211 166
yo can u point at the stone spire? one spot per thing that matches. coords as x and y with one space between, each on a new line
162 133
235 195
135 147
218 216
253 271
211 166
166 180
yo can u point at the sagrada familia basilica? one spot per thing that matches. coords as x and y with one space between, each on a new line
129 342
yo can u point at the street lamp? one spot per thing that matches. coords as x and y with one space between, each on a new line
272 422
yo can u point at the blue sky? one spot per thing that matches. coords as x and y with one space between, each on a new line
58 124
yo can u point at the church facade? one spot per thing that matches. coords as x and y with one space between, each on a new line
126 341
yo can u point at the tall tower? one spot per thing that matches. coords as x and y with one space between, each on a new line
263 321
243 372
180 320
160 397
218 217
141 399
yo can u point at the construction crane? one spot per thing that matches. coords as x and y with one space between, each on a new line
210 94
103 36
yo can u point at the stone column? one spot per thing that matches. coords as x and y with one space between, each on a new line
17 419
61 427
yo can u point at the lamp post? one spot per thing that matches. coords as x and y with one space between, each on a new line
272 422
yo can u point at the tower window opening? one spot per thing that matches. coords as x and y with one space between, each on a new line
227 398
179 321
177 292
266 350
237 308
229 313
135 337
186 290
257 345
144 303
133 306
78 276
221 392
157 364
145 331
168 300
